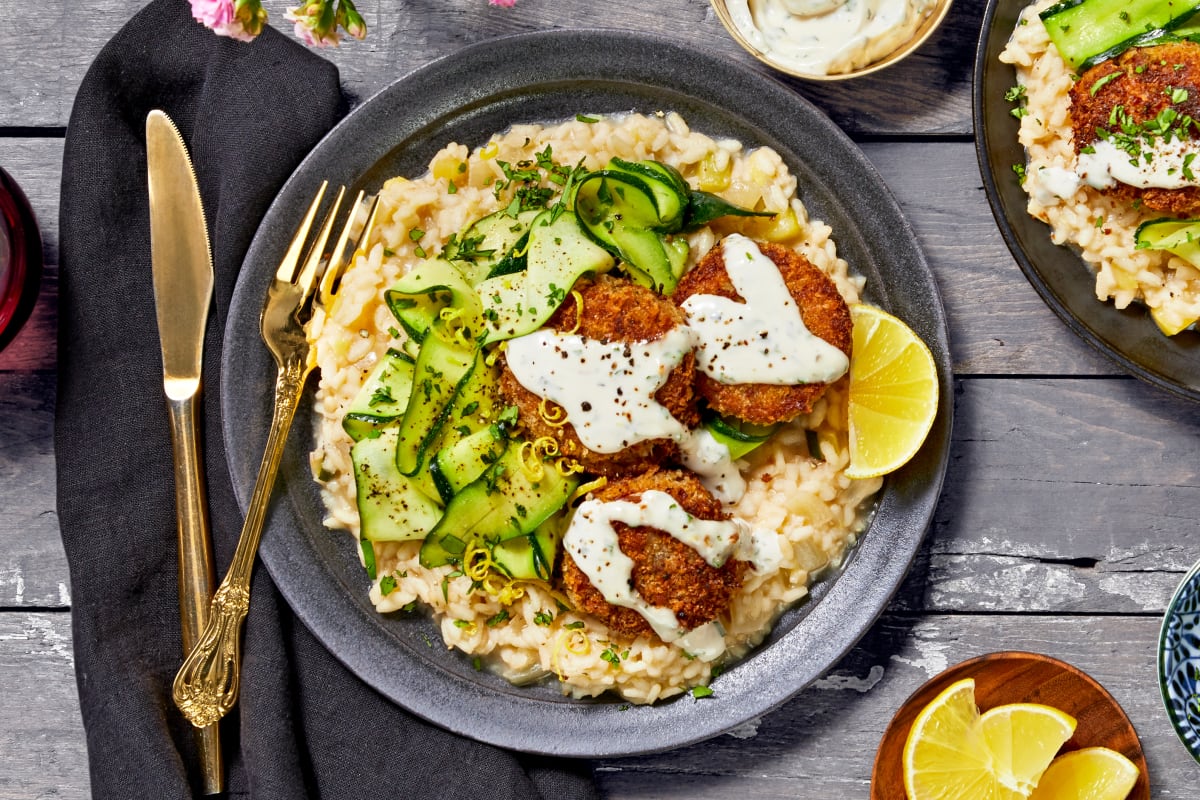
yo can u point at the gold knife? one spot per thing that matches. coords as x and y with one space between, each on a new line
183 285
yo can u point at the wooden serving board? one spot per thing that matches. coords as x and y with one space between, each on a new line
1014 677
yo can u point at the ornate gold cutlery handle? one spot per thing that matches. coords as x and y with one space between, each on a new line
206 687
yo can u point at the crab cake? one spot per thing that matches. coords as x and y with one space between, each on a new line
614 310
666 572
822 308
1136 88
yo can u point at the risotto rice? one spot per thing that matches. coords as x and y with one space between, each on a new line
527 630
1101 228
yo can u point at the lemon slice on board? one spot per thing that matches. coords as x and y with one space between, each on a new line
1093 773
893 393
952 753
1023 738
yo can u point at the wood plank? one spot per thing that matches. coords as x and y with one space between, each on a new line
929 92
33 566
821 744
1063 496
41 733
998 323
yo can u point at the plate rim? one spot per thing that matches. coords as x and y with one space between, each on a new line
610 730
1083 326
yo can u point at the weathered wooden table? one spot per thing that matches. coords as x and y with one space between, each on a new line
1069 513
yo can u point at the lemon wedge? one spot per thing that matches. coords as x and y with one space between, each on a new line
1023 738
1093 773
953 753
893 393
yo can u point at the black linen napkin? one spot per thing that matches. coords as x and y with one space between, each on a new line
304 726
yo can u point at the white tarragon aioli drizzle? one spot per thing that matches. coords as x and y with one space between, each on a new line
822 37
593 544
607 390
1163 165
764 339
1167 167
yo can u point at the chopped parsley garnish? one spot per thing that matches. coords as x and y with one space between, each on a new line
542 618
574 626
588 120
508 416
701 691
498 618
382 394
1102 82
416 234
387 585
368 554
611 657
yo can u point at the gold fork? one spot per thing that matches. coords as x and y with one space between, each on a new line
206 687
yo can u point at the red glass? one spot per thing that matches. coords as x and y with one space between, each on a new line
20 258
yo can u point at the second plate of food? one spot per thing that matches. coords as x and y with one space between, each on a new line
1058 272
581 82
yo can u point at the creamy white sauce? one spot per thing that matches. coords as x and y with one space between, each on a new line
821 37
593 544
608 393
709 459
606 388
764 339
1108 165
1054 184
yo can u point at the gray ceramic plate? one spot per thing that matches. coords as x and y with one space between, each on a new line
465 98
1059 275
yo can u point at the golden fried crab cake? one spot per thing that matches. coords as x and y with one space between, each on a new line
614 310
666 572
1136 87
822 308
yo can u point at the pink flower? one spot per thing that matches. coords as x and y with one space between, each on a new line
316 23
237 19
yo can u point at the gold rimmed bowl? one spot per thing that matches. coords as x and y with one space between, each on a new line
747 28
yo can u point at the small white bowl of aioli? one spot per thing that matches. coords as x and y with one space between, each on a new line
829 40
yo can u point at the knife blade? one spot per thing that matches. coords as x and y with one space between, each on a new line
181 262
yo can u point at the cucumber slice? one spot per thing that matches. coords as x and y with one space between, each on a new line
739 437
503 503
499 234
1167 234
559 253
619 212
440 370
391 507
1087 32
456 465
382 398
418 298
531 557
668 188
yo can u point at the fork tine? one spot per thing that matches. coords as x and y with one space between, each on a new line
312 263
337 256
287 267
340 259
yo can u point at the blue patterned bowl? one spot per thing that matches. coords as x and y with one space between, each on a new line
1179 661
